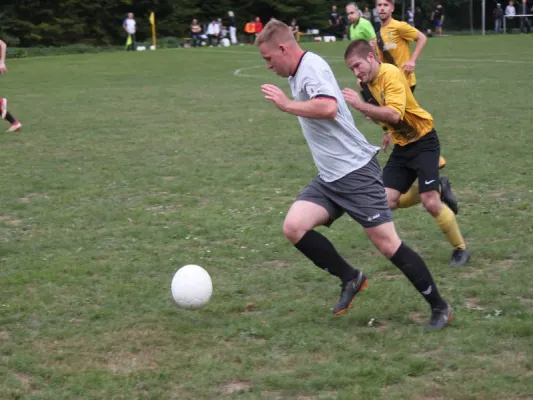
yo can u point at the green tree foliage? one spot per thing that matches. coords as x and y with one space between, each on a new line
61 22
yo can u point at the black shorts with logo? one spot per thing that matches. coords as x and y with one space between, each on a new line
419 159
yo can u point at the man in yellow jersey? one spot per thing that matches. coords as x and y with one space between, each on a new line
394 38
393 47
416 151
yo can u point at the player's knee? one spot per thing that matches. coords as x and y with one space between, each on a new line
393 198
393 203
431 202
389 246
385 238
294 230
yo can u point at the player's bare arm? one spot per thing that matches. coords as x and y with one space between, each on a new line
3 47
319 108
376 113
421 41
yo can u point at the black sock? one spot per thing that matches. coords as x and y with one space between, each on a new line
10 117
321 252
414 268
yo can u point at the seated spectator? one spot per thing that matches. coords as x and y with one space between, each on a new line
294 28
213 33
196 33
223 32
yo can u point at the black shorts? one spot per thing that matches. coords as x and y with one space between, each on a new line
360 194
419 159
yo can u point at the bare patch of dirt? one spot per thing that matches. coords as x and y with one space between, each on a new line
416 317
236 387
277 264
472 303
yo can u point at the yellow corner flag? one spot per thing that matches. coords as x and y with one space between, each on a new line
152 21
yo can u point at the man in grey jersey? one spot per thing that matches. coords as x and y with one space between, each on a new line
349 178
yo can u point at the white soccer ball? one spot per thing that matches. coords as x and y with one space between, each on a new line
191 287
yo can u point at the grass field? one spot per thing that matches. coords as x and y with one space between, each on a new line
132 165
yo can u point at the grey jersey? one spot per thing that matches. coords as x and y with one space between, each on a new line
337 146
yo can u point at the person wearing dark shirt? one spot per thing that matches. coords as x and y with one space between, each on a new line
498 17
438 19
525 23
231 23
419 17
335 22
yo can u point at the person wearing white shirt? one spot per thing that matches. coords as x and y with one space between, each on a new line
213 32
510 12
510 9
130 26
410 17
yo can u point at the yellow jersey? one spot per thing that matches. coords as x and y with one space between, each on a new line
396 37
390 88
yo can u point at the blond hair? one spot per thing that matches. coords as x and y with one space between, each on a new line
275 31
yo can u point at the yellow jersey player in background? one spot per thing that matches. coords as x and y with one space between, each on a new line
416 149
394 40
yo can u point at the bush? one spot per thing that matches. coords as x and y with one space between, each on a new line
169 42
20 52
13 52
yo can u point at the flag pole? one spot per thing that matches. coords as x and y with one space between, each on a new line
152 21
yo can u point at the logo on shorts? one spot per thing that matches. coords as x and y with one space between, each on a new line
374 217
429 182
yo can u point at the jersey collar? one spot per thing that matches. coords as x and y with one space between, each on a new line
299 62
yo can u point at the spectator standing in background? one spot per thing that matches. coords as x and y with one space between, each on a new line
130 26
419 18
249 30
258 26
232 24
510 12
498 16
525 24
410 16
438 18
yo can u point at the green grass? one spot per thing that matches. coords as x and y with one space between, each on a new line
132 165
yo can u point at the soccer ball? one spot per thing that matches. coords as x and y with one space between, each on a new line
191 287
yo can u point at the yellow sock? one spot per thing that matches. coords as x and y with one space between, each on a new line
448 225
410 198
